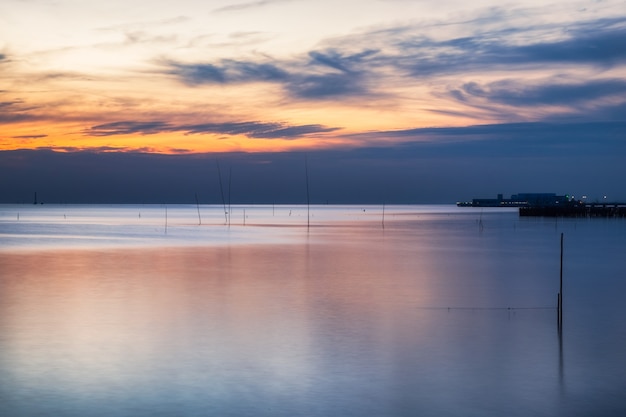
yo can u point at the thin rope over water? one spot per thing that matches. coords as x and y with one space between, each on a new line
485 308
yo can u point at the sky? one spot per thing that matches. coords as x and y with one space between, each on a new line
398 101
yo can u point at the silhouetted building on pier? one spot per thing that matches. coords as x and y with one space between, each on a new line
520 200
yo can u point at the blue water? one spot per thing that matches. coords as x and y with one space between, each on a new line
289 311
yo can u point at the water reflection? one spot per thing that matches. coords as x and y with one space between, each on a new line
343 321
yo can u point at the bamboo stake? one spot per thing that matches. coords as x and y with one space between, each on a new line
561 286
230 176
198 207
383 215
219 174
308 215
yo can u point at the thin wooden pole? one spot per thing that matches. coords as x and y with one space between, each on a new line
230 176
561 286
558 311
308 215
198 207
219 175
383 215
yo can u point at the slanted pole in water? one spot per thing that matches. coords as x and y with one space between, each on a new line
383 215
219 175
198 207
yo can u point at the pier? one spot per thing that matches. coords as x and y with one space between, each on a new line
576 209
551 205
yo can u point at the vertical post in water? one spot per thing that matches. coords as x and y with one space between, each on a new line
166 219
230 176
560 312
219 176
383 215
306 171
198 207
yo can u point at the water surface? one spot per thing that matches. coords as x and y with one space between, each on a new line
420 310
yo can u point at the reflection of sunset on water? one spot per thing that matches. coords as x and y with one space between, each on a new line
426 315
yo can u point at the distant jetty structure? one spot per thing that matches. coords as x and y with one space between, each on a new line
550 205
518 200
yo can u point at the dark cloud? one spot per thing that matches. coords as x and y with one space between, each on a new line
331 59
335 59
250 129
258 130
240 128
128 128
516 93
292 131
198 73
226 72
357 65
598 49
95 149
297 82
505 130
29 136
6 104
603 47
513 140
344 74
16 111
327 86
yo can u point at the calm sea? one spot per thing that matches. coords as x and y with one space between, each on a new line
322 311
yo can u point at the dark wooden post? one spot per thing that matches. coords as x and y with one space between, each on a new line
560 307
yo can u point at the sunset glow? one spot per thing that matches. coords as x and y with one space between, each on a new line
397 100
283 75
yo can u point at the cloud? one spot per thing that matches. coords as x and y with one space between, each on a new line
365 64
29 137
142 37
596 43
293 131
537 139
593 43
136 25
335 59
326 74
226 72
248 5
550 92
257 130
15 112
128 128
327 86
